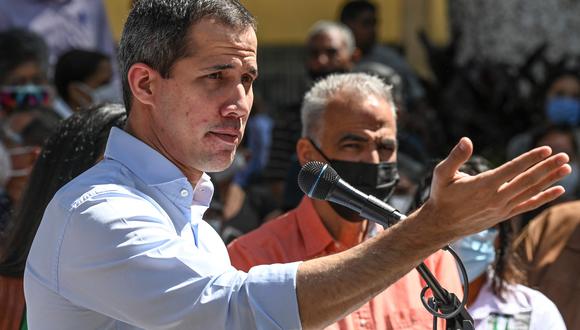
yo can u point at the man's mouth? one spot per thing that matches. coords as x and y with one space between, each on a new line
229 136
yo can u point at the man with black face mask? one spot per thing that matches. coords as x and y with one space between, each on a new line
330 48
349 121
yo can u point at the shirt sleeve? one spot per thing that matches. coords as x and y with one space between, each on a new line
239 259
121 256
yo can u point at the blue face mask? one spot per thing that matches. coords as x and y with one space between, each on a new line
477 252
563 110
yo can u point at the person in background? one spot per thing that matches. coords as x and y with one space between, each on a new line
83 78
64 24
349 121
411 153
361 17
23 72
330 48
23 133
77 145
549 248
560 100
498 298
561 138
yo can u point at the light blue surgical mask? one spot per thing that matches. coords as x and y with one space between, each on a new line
563 110
477 252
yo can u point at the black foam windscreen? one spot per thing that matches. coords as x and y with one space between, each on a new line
316 179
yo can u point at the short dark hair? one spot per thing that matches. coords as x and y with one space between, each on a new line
75 65
352 9
19 46
156 30
75 147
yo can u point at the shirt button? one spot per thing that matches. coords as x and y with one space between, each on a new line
363 323
184 193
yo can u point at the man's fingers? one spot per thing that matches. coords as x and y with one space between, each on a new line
540 199
516 166
542 185
457 157
551 169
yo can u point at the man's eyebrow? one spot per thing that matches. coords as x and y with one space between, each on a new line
219 67
352 137
252 69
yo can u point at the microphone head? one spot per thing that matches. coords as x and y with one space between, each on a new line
316 179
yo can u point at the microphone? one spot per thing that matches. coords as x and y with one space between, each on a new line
320 181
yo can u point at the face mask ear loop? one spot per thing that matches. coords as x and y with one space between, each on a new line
319 150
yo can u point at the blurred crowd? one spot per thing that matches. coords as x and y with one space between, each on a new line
60 94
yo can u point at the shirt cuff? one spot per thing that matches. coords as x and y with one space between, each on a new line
273 288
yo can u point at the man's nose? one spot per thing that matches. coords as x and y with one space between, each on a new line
372 156
322 59
239 103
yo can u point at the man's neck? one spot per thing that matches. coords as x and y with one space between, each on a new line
345 232
138 127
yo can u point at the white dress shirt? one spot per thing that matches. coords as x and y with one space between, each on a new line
124 246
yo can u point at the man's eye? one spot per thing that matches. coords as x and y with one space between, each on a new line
247 79
215 75
351 146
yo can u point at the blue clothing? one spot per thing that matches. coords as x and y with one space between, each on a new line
124 246
64 24
259 132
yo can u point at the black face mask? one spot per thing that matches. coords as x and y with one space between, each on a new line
378 180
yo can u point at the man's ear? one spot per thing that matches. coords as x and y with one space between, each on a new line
306 152
142 81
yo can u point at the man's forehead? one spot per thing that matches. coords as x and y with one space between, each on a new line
327 37
210 31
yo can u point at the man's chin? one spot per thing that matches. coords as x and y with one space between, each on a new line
220 162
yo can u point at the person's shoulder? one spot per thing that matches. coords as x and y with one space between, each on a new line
535 299
102 181
272 231
544 309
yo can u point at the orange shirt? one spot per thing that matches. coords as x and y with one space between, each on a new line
301 235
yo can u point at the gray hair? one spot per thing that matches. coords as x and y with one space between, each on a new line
156 32
317 98
328 26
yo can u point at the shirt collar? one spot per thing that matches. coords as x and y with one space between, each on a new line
147 163
316 236
156 170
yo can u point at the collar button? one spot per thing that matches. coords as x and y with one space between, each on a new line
184 193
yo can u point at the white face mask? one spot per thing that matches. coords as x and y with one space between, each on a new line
108 93
18 151
477 252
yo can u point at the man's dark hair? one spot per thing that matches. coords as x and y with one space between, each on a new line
353 8
19 46
156 32
75 65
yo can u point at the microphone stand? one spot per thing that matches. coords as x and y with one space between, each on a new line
443 300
